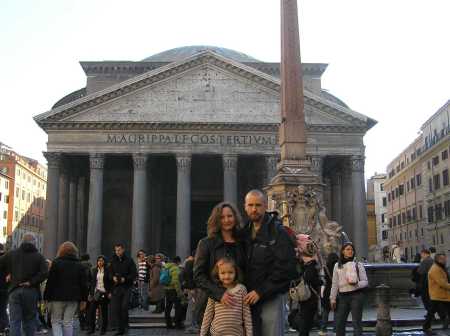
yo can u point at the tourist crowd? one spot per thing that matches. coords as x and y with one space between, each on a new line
254 278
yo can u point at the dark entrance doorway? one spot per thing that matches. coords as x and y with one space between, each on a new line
199 218
207 191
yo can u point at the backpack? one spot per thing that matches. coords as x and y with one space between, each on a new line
164 276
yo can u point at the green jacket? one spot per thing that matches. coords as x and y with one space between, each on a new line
174 277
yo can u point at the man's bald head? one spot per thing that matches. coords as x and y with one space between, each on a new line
29 239
255 205
256 193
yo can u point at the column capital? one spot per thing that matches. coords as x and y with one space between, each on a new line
316 163
96 161
230 161
53 159
271 161
183 161
336 178
140 160
357 163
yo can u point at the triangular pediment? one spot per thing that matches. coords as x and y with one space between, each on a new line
202 88
205 93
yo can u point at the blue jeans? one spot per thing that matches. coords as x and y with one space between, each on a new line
22 310
268 317
4 321
63 316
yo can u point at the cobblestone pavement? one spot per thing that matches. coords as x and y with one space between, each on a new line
165 332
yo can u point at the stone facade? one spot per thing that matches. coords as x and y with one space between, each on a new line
418 189
153 153
26 197
5 181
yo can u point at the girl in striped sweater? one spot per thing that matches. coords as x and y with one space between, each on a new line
230 320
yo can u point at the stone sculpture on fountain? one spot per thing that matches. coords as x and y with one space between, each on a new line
303 211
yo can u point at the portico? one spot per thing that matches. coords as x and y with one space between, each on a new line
143 161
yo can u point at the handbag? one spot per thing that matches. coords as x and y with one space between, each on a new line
98 295
300 292
351 272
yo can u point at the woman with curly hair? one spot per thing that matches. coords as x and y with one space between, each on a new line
66 289
222 241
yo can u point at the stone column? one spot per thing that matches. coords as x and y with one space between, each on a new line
327 195
336 197
139 203
95 212
271 167
63 205
81 223
183 231
72 220
230 162
359 206
52 198
347 200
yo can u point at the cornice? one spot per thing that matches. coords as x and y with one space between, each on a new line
177 126
166 126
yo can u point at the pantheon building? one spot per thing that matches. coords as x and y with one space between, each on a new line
144 151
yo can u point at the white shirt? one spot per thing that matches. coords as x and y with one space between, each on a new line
100 283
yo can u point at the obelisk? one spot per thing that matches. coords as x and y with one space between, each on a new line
294 169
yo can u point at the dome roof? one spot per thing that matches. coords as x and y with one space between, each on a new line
177 54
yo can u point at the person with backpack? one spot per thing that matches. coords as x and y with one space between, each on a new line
170 279
156 289
349 281
271 265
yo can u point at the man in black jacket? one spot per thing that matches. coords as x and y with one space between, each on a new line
123 274
28 269
271 266
422 271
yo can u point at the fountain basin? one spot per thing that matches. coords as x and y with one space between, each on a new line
397 277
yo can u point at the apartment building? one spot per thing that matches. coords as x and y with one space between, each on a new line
5 184
435 166
418 191
27 194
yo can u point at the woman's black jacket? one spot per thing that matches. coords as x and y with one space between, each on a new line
312 278
209 251
106 280
67 280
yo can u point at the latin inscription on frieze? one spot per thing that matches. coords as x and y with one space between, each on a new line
191 139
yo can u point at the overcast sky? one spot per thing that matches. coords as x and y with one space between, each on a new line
387 59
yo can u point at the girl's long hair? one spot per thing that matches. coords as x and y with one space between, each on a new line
332 259
216 214
67 248
342 260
